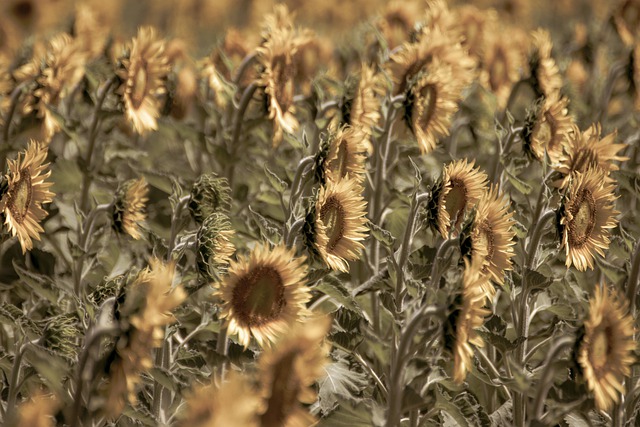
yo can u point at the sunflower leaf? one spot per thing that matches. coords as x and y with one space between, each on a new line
335 289
340 383
276 182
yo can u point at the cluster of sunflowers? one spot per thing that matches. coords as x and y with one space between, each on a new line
299 229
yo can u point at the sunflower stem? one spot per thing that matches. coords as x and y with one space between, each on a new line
537 236
616 71
177 210
494 372
515 91
546 380
243 67
15 97
13 381
293 231
440 254
247 95
101 95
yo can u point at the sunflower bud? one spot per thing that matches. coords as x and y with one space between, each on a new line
209 194
129 207
214 248
60 333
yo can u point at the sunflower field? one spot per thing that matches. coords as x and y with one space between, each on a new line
230 213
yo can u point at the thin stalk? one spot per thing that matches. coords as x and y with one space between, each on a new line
84 241
326 107
180 205
13 381
247 95
157 387
243 67
494 372
546 381
537 236
440 254
15 97
93 134
293 231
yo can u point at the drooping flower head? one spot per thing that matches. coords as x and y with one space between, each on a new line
209 194
338 224
27 190
288 372
264 294
547 130
214 248
129 210
456 192
144 74
545 73
626 17
361 106
586 216
346 155
606 351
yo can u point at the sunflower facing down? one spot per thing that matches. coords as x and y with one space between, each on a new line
346 156
585 150
264 294
585 217
430 104
129 207
547 130
144 74
606 351
493 234
339 225
26 192
459 188
288 372
361 109
545 73
466 318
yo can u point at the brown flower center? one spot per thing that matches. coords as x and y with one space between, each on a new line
413 69
333 216
140 82
455 201
283 81
485 240
583 222
600 348
285 388
19 197
425 106
258 296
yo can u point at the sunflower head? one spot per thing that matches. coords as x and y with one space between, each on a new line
214 248
429 105
545 74
144 73
458 189
209 194
264 294
360 105
39 411
606 351
339 223
129 207
585 217
397 21
288 372
466 314
626 17
547 129
585 150
234 404
26 190
492 236
346 155
181 98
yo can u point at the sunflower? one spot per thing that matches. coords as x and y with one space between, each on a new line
476 25
493 234
233 404
431 102
209 194
26 192
346 156
214 248
362 108
340 223
433 44
545 73
606 351
91 27
39 411
459 188
277 77
584 150
288 372
466 318
264 294
626 18
586 215
547 130
397 21
144 74
129 207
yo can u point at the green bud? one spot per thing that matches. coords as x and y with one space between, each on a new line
209 194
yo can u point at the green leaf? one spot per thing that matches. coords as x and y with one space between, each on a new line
340 383
41 285
349 415
518 184
501 343
278 184
163 377
336 289
536 281
381 235
444 403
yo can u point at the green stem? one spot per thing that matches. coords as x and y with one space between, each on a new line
247 95
84 241
15 97
242 68
13 382
546 381
494 372
179 207
440 254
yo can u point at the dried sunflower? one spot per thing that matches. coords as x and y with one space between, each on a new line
144 74
606 350
431 102
545 73
547 130
214 248
346 156
129 207
466 318
459 188
288 372
27 191
209 194
584 150
339 225
264 294
233 404
492 234
585 217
